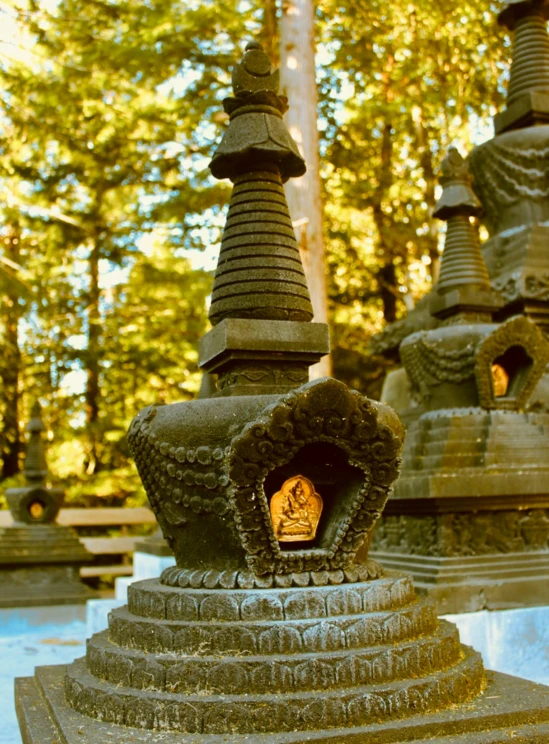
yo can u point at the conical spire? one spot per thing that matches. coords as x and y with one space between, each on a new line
35 468
463 275
462 262
259 273
35 502
263 341
528 93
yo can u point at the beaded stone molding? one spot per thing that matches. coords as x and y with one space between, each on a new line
174 576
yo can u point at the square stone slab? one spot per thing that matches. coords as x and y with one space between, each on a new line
511 709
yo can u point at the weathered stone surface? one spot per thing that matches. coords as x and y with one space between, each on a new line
147 599
335 708
272 673
247 450
507 703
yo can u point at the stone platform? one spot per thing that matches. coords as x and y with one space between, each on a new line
357 662
145 566
474 583
40 566
511 708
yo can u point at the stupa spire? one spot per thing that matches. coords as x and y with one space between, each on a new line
35 468
263 340
259 274
528 92
464 283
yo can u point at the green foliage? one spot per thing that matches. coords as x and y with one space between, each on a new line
109 114
108 119
399 83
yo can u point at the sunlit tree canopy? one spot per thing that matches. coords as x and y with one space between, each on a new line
111 221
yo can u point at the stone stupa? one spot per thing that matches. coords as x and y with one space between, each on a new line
463 517
269 630
39 559
511 174
471 513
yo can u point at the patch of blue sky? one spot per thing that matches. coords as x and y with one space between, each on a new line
481 129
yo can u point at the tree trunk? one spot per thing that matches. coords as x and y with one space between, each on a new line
298 82
92 359
269 31
387 278
426 161
11 368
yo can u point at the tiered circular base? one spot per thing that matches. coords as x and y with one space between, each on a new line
259 661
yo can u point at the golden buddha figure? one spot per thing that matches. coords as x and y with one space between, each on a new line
500 380
295 510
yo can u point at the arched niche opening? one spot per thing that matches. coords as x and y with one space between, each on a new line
510 372
338 483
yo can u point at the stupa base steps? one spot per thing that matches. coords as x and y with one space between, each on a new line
472 583
357 662
508 704
42 586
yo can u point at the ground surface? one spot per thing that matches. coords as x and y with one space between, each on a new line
24 646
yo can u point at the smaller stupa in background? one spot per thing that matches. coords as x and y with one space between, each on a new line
39 559
466 517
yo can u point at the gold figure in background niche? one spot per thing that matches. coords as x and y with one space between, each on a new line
296 510
500 380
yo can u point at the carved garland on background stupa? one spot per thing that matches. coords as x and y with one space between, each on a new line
504 174
429 364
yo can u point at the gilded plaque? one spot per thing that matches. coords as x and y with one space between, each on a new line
296 510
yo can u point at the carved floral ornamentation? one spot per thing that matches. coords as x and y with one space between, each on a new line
464 534
322 411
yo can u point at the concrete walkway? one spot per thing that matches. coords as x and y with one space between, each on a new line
34 637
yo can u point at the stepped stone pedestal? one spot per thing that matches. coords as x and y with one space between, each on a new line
358 662
271 629
39 559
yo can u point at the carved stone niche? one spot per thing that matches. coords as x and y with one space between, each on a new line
38 505
509 364
344 444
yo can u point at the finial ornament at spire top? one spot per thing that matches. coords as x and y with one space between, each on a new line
35 422
255 72
259 272
463 278
257 137
457 195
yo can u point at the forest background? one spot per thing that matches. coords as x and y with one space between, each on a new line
110 221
